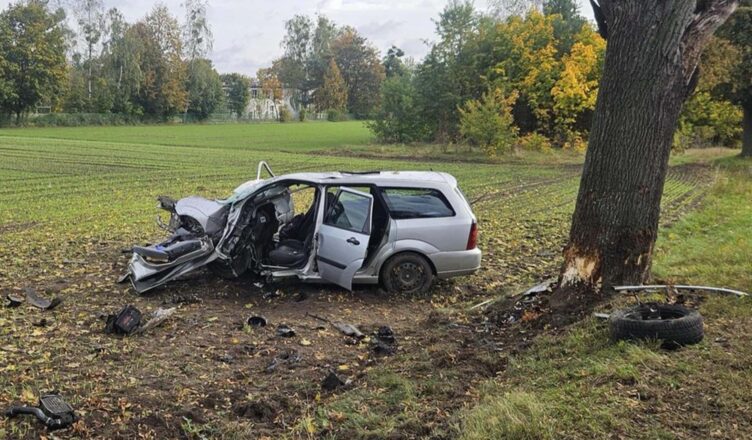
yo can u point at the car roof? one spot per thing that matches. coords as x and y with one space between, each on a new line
379 178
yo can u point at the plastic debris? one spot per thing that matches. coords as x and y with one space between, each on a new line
285 331
348 330
331 382
157 318
257 321
124 322
40 302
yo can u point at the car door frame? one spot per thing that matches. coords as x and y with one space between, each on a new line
339 272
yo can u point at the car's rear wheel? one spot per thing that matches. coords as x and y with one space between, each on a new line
408 273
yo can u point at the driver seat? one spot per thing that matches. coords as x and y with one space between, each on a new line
289 253
293 253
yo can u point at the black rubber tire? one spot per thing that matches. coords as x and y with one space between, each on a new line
407 273
676 326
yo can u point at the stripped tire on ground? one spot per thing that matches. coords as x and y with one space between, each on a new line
673 324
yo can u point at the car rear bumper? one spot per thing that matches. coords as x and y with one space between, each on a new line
454 264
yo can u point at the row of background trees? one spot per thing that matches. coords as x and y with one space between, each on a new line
331 67
526 75
94 62
522 75
154 68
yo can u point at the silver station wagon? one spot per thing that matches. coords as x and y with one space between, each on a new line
402 229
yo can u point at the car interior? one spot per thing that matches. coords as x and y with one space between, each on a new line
284 239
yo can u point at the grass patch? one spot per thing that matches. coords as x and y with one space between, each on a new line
515 415
713 245
295 137
579 385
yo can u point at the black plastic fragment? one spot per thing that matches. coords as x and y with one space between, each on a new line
124 322
257 321
285 331
331 382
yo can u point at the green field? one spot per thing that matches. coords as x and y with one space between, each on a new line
261 136
102 185
72 198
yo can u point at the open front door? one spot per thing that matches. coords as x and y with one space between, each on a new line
343 237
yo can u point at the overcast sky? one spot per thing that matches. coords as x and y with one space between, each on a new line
247 33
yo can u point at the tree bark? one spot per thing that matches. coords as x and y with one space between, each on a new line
747 130
650 69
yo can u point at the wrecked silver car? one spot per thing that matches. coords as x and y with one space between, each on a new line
400 229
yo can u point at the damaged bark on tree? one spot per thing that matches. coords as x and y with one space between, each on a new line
652 53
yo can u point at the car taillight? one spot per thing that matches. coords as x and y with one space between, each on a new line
472 239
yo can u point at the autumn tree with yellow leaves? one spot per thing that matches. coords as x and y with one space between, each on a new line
550 69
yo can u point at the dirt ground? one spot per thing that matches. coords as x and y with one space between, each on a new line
205 365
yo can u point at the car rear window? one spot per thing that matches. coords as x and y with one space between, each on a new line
404 203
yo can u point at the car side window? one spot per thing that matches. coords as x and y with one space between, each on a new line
349 211
406 203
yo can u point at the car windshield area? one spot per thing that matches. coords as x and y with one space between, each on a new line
407 203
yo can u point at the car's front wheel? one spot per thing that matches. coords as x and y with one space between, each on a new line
408 273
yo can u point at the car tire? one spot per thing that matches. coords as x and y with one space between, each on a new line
407 273
673 324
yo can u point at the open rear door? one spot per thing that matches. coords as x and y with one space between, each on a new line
343 236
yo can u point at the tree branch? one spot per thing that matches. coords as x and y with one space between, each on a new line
709 15
600 19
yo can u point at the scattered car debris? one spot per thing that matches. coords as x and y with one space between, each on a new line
344 328
272 294
257 321
385 334
122 279
157 318
349 330
484 303
384 342
53 411
680 287
320 318
124 322
13 301
226 358
285 331
183 299
331 382
129 320
40 302
673 324
41 323
545 286
288 358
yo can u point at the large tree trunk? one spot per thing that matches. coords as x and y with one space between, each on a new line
650 69
747 133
